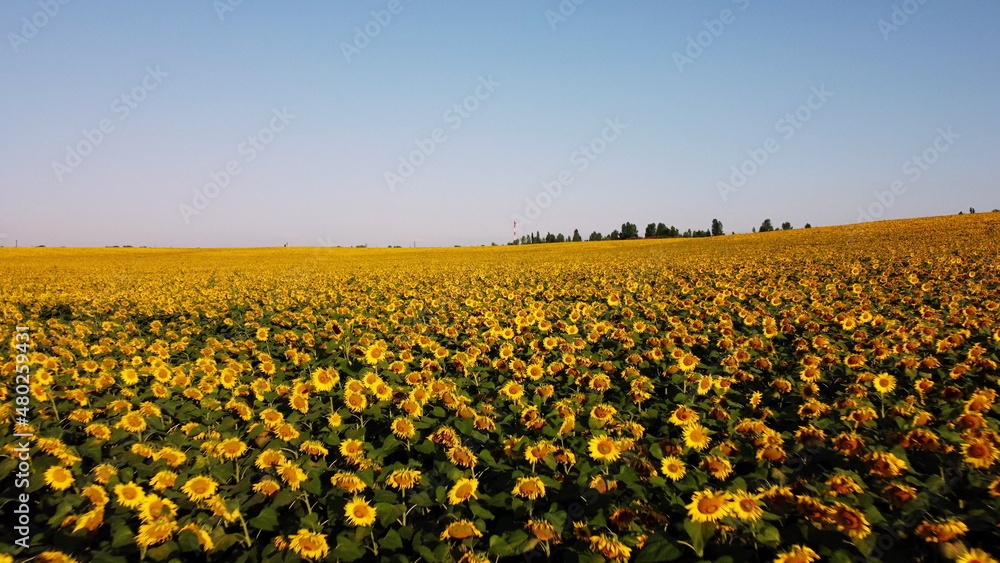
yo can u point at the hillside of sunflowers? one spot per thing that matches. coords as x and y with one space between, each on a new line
812 395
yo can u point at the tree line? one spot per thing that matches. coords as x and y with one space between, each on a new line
629 231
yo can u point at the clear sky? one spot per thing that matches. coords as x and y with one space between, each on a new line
343 123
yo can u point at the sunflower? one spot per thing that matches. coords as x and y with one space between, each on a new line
199 488
842 485
899 494
373 354
854 361
129 495
267 487
543 531
204 538
885 464
884 383
709 506
463 490
312 447
271 418
688 362
936 532
95 494
155 532
696 437
849 520
994 488
798 554
359 512
745 506
156 508
403 427
673 468
352 449
335 420
348 482
513 390
603 448
683 416
291 474
610 547
98 430
403 479
269 458
603 412
104 472
163 480
324 379
309 545
58 478
462 456
230 448
461 530
357 402
132 422
979 452
718 466
976 556
529 487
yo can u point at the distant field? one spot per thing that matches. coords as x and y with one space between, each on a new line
828 392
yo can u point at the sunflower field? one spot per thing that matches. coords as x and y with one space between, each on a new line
827 394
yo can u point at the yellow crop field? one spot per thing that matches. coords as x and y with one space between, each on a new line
810 395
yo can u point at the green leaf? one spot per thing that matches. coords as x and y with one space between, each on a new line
347 549
657 548
770 536
391 540
699 532
480 512
188 541
122 536
267 520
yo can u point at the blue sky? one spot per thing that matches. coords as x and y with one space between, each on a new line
313 120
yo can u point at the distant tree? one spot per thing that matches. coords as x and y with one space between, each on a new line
650 230
717 228
972 210
662 230
549 237
615 235
560 238
629 231
594 236
808 226
753 230
766 226
576 236
687 234
786 226
674 231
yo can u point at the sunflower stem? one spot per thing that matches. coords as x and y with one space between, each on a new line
246 532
